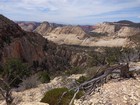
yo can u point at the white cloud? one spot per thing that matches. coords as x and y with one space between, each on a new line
63 10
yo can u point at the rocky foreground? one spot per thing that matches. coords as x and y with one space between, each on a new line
123 92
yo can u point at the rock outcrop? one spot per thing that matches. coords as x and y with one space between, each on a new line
128 31
44 28
31 47
105 28
107 34
118 29
16 43
125 92
71 35
28 26
77 30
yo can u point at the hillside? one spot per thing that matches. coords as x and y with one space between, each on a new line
94 63
28 26
107 34
116 91
32 47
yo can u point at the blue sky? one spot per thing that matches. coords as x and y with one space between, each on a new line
71 11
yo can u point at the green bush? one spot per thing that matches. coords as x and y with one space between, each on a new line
82 79
91 72
96 58
13 71
53 96
44 77
6 39
74 70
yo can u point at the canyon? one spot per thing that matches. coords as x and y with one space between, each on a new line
71 52
107 34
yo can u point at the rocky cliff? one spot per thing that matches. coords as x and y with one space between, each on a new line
128 31
16 43
77 30
32 48
28 26
121 29
71 35
107 34
45 28
105 28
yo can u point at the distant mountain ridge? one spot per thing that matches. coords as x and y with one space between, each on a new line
108 34
32 25
129 23
28 26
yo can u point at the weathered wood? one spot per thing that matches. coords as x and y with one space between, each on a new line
6 92
93 83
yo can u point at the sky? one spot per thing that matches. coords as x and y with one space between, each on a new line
80 12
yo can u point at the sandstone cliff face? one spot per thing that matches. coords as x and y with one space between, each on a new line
107 34
72 35
44 28
128 31
105 28
28 48
15 43
117 29
9 29
70 30
32 47
28 26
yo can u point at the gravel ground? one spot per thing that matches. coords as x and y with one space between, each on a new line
123 92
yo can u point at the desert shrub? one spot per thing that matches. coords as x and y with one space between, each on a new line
6 39
44 77
112 54
92 71
53 96
13 71
30 82
1 70
136 39
82 79
96 58
1 97
74 70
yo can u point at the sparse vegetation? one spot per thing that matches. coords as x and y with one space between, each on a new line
92 71
57 97
6 39
74 70
82 79
12 73
112 56
44 77
30 82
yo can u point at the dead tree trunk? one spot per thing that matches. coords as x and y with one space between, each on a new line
125 71
5 90
90 85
